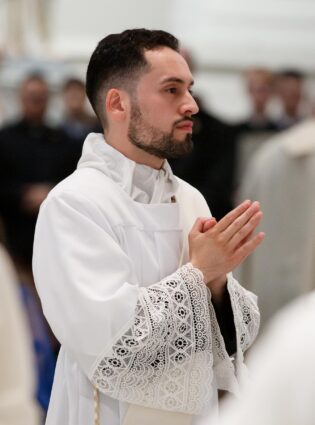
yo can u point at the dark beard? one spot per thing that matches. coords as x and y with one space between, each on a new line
154 141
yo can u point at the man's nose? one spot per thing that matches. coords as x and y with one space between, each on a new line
189 106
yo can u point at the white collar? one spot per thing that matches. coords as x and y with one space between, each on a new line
143 183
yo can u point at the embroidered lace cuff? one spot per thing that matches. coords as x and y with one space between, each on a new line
165 359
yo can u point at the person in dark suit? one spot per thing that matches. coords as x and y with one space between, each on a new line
33 158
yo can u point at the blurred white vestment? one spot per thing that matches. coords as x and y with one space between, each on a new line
281 177
282 390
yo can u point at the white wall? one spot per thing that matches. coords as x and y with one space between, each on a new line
248 32
77 26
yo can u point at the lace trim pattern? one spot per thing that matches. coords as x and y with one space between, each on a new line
223 367
165 359
246 314
246 321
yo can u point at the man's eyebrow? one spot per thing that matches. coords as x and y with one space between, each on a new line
176 80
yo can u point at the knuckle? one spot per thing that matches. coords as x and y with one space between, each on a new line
242 231
220 239
235 224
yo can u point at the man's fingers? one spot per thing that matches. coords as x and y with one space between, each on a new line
248 247
233 215
240 221
245 231
245 239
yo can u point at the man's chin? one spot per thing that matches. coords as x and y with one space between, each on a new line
181 150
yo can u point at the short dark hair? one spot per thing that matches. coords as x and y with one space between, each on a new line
118 61
34 76
291 73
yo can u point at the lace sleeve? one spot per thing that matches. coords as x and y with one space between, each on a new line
164 360
232 375
246 314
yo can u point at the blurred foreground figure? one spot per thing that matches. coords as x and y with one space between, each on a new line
282 390
282 177
17 369
133 274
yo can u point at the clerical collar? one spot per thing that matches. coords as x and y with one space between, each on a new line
144 184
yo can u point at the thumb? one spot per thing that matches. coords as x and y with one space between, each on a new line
199 225
208 224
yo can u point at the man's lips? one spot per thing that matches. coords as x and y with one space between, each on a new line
185 125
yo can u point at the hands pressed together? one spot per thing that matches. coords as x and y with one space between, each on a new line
216 248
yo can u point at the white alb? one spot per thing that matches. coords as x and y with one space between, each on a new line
131 321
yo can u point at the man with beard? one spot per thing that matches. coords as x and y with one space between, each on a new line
133 273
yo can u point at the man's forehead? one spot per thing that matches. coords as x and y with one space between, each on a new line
34 84
166 64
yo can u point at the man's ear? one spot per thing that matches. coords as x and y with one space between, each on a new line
116 104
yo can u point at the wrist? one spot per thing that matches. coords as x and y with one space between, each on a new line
218 287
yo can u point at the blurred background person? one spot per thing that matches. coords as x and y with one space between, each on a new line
259 125
33 158
77 121
210 166
260 89
281 177
17 366
289 90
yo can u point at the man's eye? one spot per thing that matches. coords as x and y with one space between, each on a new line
172 90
